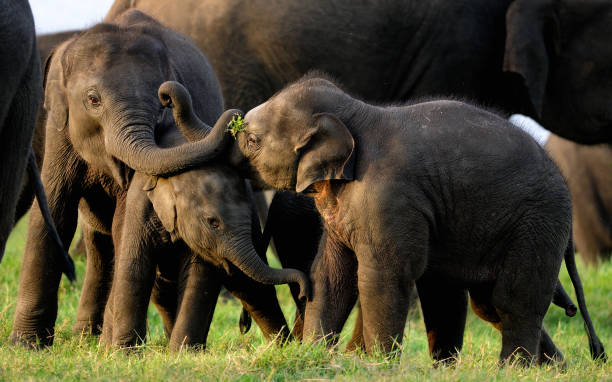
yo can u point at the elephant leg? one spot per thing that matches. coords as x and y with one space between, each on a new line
385 299
294 225
97 283
201 284
334 284
356 341
136 253
261 303
41 269
444 307
165 296
480 299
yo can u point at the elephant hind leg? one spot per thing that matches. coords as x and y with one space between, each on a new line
444 307
97 283
480 299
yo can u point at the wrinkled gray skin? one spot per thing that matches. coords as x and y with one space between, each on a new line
102 114
588 171
412 193
203 212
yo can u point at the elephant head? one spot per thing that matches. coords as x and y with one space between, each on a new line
101 86
291 141
562 52
208 208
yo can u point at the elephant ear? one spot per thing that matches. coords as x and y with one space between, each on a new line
160 193
55 102
327 152
532 38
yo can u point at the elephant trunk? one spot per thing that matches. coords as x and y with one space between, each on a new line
246 259
134 144
172 93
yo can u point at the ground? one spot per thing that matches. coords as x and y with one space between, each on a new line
231 356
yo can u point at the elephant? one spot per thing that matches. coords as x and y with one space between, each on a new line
588 171
20 84
102 117
204 212
411 193
45 45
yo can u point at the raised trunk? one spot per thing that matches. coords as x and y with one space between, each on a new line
246 259
175 94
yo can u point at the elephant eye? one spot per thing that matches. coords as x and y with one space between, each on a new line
252 141
213 223
93 98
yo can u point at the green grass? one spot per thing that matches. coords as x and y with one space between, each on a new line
231 356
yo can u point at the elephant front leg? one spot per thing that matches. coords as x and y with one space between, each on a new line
201 286
334 291
97 283
385 287
41 269
134 273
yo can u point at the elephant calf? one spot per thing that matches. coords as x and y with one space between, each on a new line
441 193
195 230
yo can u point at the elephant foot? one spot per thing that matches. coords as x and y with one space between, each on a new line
87 328
32 339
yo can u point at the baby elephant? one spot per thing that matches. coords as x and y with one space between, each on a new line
183 237
441 193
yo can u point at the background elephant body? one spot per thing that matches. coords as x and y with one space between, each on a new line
20 86
588 170
532 57
412 193
102 114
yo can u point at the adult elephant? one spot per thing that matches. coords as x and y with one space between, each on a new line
588 171
45 44
102 117
20 86
546 58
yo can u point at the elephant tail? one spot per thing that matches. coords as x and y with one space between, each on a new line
245 321
595 345
34 177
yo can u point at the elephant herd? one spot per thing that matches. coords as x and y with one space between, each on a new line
386 179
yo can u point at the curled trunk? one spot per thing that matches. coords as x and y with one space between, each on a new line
175 94
246 259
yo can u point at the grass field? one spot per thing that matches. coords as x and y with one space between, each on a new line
231 356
